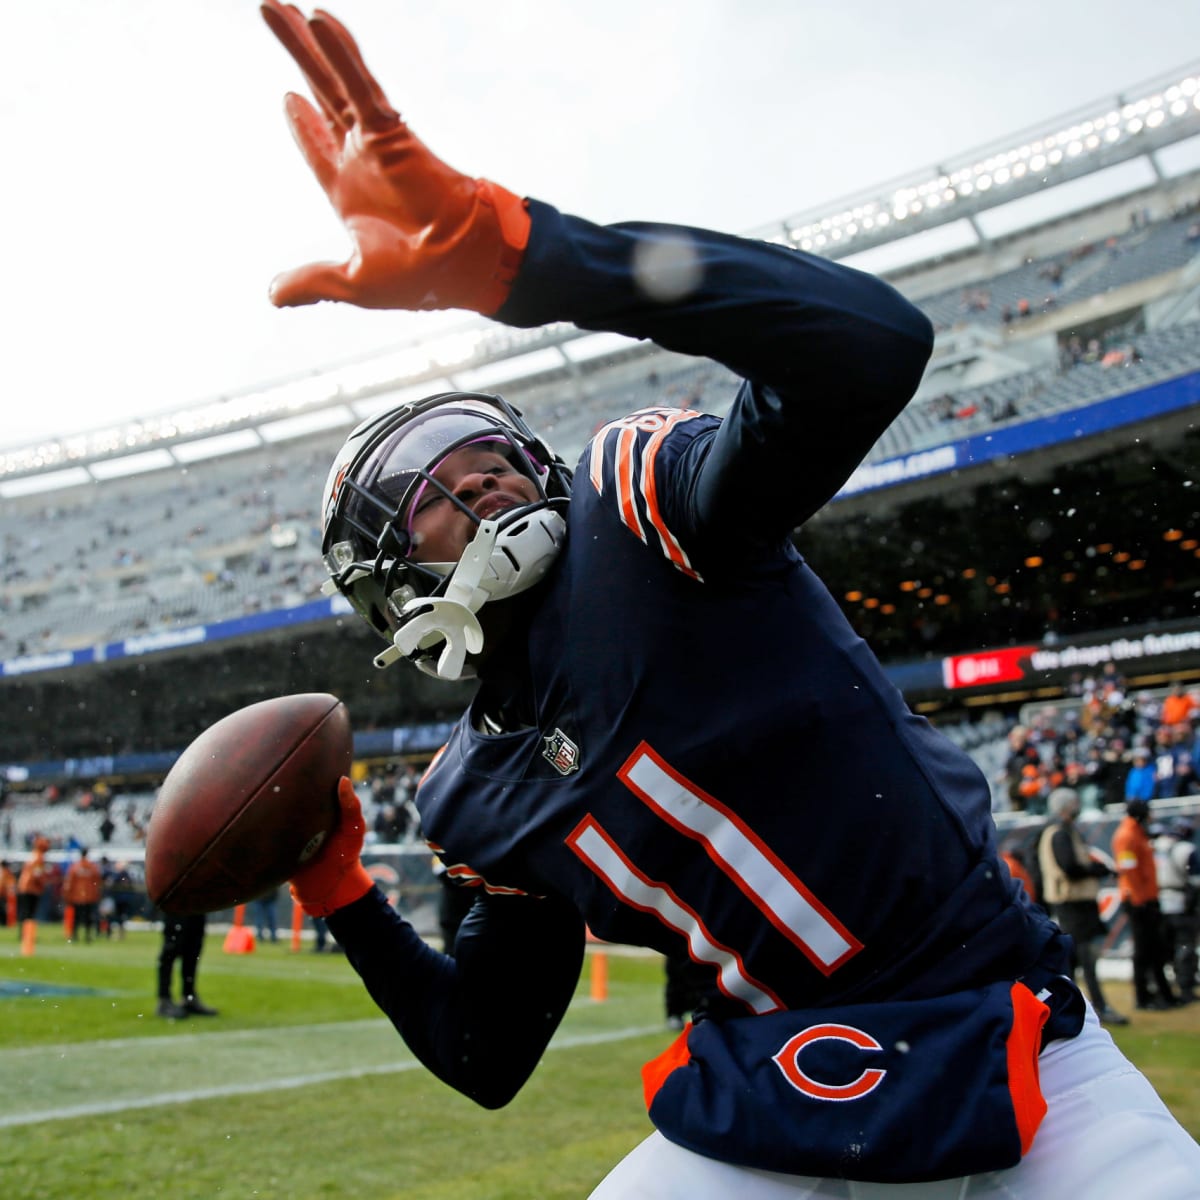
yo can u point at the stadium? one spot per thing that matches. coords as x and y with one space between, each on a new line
1021 548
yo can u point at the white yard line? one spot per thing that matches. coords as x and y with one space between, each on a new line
252 1087
62 1049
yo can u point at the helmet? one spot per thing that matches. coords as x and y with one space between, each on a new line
426 610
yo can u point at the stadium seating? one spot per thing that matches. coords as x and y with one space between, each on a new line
1057 280
239 534
136 556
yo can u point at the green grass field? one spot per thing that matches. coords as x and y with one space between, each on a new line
300 1090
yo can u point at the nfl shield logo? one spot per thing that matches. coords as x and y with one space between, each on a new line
562 752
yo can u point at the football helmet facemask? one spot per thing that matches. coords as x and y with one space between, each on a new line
427 610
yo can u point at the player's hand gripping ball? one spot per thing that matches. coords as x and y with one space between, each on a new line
248 803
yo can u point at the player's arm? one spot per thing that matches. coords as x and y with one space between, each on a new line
424 235
832 354
481 1020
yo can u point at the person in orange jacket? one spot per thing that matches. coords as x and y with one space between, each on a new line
1137 880
8 890
82 887
1018 870
34 877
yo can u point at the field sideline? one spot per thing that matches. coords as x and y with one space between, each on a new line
299 1089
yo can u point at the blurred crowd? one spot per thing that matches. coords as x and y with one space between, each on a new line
1109 746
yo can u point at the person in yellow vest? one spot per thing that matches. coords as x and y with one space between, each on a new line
1070 888
83 887
1137 878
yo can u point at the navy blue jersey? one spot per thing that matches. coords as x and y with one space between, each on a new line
712 754
685 743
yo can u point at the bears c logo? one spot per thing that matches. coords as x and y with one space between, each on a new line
787 1059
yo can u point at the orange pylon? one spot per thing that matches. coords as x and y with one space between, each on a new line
239 939
599 983
297 926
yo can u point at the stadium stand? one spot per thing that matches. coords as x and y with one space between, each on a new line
138 608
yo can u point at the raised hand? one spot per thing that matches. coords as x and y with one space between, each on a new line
425 236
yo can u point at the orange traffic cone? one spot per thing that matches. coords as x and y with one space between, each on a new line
599 989
239 939
599 960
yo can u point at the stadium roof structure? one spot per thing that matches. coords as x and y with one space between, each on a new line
1119 144
1134 125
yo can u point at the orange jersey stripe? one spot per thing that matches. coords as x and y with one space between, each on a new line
626 444
670 544
633 471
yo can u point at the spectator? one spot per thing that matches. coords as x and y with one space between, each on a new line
942 407
1070 888
262 911
1000 410
320 934
1021 754
83 887
1140 782
391 823
31 888
1177 865
8 892
1137 878
454 902
1173 774
1014 860
123 893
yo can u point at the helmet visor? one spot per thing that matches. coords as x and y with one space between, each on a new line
393 478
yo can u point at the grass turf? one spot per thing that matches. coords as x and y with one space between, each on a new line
298 1089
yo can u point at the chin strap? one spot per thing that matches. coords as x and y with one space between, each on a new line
450 617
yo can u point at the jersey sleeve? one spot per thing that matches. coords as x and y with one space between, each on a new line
829 355
632 464
463 1017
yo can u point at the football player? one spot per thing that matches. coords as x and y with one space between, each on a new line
676 738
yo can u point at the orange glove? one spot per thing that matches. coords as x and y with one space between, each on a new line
336 877
425 236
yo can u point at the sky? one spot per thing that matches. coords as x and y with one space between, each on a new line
151 189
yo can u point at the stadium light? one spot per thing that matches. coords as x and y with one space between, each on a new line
1109 131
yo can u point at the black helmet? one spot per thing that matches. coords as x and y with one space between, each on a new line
370 552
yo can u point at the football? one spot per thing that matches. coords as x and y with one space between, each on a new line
247 803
